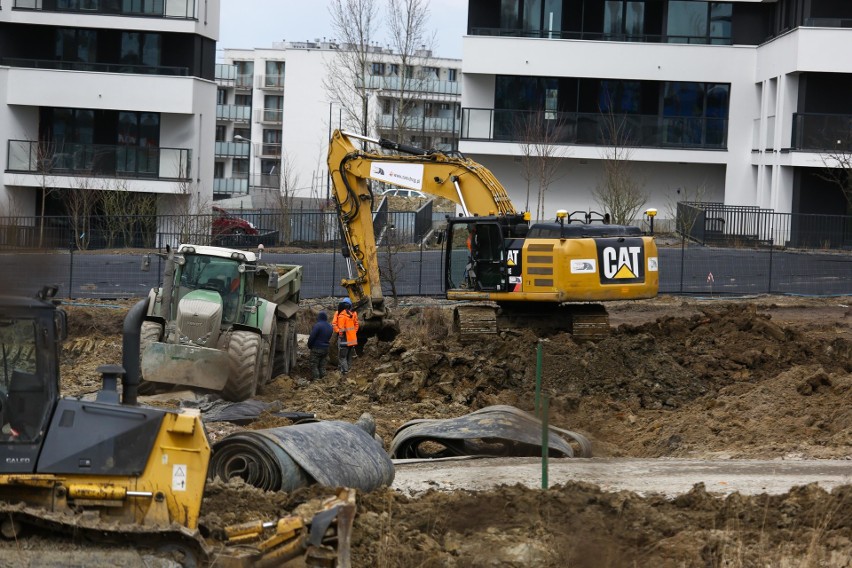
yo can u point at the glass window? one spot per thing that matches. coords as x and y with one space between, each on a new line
151 50
452 74
130 48
221 97
624 19
553 17
271 136
509 14
687 22
220 133
377 68
720 21
394 69
532 16
240 166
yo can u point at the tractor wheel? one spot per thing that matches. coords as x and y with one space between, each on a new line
267 354
244 349
151 332
285 356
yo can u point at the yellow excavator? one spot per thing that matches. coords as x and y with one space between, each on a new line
106 467
548 275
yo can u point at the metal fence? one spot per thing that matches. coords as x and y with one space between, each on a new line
734 225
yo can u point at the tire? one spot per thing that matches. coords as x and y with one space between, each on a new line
151 332
244 349
267 354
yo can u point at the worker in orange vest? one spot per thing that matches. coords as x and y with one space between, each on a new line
345 325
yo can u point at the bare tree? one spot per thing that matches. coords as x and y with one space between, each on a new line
539 134
45 164
837 167
619 192
353 23
80 202
288 182
115 203
390 265
412 43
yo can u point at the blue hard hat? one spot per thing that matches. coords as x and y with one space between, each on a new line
346 301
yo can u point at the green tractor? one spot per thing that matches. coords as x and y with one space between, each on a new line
222 321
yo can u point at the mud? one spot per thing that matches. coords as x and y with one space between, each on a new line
764 378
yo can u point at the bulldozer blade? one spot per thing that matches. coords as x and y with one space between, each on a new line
188 365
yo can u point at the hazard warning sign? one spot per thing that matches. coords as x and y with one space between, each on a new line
179 477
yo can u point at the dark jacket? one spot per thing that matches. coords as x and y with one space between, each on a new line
321 333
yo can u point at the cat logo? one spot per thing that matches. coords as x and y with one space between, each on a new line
621 260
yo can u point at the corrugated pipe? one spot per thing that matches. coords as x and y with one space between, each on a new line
130 351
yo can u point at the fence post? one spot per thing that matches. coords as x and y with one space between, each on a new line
682 253
71 270
420 277
771 247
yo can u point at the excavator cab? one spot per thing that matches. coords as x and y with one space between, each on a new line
478 255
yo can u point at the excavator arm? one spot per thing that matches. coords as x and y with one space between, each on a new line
465 182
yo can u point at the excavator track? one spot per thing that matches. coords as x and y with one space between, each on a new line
583 321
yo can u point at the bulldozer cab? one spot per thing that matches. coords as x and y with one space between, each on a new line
475 256
221 275
29 335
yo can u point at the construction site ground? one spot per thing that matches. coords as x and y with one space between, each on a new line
678 381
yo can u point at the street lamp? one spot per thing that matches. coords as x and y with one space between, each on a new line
244 140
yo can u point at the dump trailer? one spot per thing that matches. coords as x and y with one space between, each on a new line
223 320
103 468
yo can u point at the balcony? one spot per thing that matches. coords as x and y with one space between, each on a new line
270 150
230 186
232 149
422 86
601 36
270 82
822 132
269 115
93 67
177 9
226 75
244 82
99 160
430 124
233 112
648 131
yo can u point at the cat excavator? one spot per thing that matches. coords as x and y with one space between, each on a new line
549 276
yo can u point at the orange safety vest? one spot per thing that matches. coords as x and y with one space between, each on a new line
345 325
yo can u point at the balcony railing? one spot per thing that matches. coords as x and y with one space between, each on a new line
225 74
178 9
828 22
449 125
244 82
650 131
233 112
270 82
269 115
232 149
822 132
270 149
93 67
231 186
102 160
600 36
413 85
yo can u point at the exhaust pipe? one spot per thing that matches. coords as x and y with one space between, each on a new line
130 343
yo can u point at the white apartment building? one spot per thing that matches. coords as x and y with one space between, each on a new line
735 102
107 95
274 114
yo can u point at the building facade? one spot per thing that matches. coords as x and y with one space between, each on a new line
107 95
275 114
740 102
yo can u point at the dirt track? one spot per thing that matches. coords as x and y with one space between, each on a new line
765 378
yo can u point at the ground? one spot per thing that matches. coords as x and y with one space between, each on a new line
755 378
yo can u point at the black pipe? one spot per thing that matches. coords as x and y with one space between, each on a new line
130 343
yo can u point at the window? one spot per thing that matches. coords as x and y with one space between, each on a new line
386 106
377 68
76 45
218 170
394 69
274 74
271 136
242 100
699 22
220 132
244 132
221 97
431 72
623 20
240 167
451 75
140 49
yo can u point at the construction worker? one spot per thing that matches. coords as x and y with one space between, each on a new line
318 344
345 325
